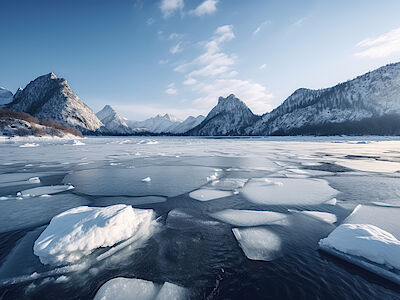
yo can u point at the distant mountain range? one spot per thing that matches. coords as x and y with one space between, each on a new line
368 104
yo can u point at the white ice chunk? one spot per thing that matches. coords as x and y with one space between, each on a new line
46 190
370 165
212 177
289 191
323 216
78 143
29 145
258 243
121 288
78 231
127 288
367 241
147 179
249 217
209 194
332 201
34 180
170 291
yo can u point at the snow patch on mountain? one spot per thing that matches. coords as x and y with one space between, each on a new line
113 122
5 96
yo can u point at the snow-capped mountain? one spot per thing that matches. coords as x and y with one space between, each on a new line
229 117
50 98
157 124
368 104
5 96
189 123
113 122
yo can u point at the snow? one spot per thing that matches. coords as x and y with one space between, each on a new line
209 194
29 145
121 288
366 241
323 216
43 190
5 96
34 180
78 143
288 191
79 231
370 165
249 217
258 243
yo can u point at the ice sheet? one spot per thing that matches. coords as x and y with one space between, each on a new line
258 243
209 194
288 191
323 216
249 217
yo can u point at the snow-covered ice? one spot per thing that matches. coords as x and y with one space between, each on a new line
366 241
258 243
121 288
46 190
29 145
78 231
288 191
323 216
244 217
370 165
147 179
34 180
209 194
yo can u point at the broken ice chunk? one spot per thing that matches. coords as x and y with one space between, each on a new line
209 194
258 243
249 217
78 231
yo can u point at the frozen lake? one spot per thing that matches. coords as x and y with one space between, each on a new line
236 218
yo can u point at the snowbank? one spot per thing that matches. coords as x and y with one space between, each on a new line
131 288
366 241
78 231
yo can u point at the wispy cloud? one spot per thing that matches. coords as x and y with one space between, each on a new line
170 7
176 49
163 61
300 22
258 29
212 74
150 21
174 36
208 7
171 90
262 67
381 46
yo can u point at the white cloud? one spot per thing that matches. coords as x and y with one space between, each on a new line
174 35
208 7
163 61
300 22
190 81
381 46
171 90
258 29
176 49
150 21
262 67
212 74
169 7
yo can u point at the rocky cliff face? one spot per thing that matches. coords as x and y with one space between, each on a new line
229 117
369 98
50 98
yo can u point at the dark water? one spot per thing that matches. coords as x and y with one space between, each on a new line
190 248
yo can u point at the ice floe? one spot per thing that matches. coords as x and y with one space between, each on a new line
288 191
323 216
258 243
370 165
366 241
46 190
121 288
209 194
34 180
147 179
29 145
250 217
79 231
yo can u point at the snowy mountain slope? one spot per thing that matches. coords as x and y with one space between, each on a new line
113 122
157 124
5 96
229 117
367 98
48 97
189 123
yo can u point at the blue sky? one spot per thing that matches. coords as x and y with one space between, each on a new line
178 56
